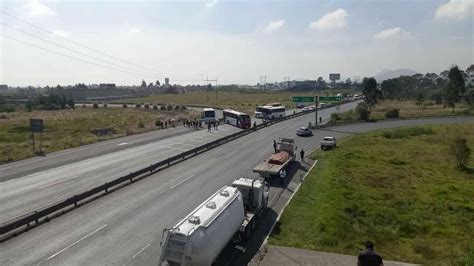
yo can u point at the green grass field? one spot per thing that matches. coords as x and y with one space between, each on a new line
242 101
410 109
72 128
406 109
398 188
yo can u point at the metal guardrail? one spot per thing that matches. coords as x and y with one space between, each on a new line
35 216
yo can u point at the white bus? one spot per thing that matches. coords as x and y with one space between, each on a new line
236 118
270 112
208 115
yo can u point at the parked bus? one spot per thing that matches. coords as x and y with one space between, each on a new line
273 104
237 119
208 115
270 112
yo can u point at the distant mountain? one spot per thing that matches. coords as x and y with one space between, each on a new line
389 74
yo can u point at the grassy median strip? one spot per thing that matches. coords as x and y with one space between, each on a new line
398 188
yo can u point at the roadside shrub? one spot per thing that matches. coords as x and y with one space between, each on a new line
335 117
393 113
158 123
169 107
363 110
183 107
429 104
84 106
105 105
403 133
141 124
29 106
95 105
461 152
7 108
147 106
138 105
155 107
124 105
177 108
162 108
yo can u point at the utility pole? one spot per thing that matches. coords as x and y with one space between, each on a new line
287 80
207 81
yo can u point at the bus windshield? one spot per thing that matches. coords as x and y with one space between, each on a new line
209 113
245 118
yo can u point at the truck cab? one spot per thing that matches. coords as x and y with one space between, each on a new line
254 193
255 198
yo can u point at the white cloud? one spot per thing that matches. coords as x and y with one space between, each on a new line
392 34
61 33
134 30
274 26
34 8
454 9
211 3
331 20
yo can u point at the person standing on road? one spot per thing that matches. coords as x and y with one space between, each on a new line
275 146
302 154
369 257
209 127
282 177
320 120
254 125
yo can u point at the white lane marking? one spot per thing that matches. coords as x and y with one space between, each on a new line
123 143
181 182
230 154
84 237
141 250
4 182
49 185
169 147
177 143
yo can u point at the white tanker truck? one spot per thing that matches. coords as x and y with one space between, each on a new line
230 213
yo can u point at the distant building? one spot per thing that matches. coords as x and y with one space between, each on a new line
107 86
3 87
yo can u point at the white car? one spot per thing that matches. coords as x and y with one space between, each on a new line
328 143
304 131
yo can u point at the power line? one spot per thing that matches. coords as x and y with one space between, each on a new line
94 50
75 51
72 57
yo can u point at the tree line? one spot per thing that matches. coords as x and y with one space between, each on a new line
448 88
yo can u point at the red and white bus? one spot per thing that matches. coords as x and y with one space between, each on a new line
237 119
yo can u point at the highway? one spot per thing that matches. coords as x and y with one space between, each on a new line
24 194
125 227
38 189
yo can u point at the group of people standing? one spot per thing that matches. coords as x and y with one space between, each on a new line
214 124
194 124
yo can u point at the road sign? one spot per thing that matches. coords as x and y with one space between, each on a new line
330 98
334 76
36 125
303 99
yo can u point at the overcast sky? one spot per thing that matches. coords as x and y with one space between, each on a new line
235 41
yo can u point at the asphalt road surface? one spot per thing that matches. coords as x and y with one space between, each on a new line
125 227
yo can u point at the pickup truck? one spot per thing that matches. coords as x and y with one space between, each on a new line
272 166
328 143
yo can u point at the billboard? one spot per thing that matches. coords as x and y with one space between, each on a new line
334 76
